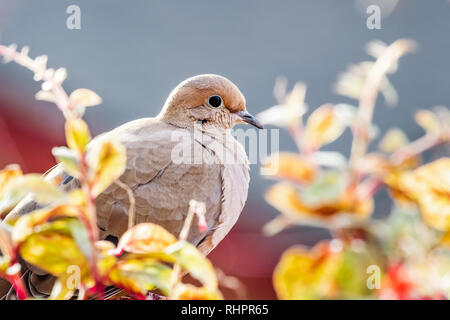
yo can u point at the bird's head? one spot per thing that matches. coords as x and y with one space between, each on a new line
209 100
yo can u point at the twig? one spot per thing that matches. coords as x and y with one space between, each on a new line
131 210
62 99
195 208
417 147
370 92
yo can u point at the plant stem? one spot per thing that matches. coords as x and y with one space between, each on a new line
62 99
417 147
91 225
369 95
131 210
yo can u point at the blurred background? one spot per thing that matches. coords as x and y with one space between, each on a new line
133 53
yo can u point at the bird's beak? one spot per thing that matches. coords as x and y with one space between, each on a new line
248 118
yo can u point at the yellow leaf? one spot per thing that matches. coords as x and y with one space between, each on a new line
53 252
140 274
429 187
84 98
288 200
77 134
105 258
26 224
290 166
61 291
145 238
107 163
43 191
393 140
193 261
190 292
303 274
323 127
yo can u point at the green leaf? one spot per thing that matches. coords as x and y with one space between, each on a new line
326 187
52 248
351 277
69 160
192 260
26 224
107 163
138 273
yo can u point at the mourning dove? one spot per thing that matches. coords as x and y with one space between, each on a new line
185 153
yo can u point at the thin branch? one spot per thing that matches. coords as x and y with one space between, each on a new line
370 92
195 208
132 208
62 99
417 147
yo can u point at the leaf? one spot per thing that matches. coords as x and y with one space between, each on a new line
289 112
393 140
323 127
69 160
329 207
61 291
141 274
48 96
428 186
428 121
327 187
26 224
190 292
351 276
60 75
43 191
193 261
290 166
52 249
84 98
107 163
8 174
145 238
77 134
106 259
303 274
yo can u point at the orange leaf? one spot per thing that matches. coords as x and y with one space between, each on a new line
290 166
7 174
323 127
429 187
288 200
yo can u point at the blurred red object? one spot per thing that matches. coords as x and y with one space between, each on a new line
27 131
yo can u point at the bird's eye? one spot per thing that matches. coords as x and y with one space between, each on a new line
215 101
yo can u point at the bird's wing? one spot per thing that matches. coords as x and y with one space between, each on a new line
166 168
